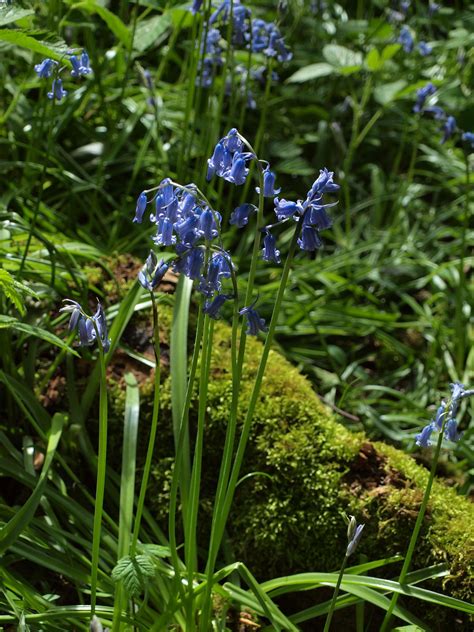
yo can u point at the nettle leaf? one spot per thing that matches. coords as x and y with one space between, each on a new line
9 15
134 572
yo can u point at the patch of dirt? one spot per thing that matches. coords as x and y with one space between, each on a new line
370 472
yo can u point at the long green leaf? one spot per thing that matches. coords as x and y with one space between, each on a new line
9 322
20 521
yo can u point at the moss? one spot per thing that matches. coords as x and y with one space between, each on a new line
306 470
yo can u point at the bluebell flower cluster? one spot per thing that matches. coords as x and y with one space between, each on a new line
247 33
405 38
49 67
186 222
90 328
449 125
445 418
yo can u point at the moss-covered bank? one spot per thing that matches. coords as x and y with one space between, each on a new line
307 470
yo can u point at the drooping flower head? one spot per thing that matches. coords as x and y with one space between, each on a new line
354 533
405 38
421 95
90 328
57 91
45 69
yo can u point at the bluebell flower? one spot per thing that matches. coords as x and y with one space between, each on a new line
286 208
404 6
240 215
140 208
218 267
405 38
45 69
87 326
269 252
57 90
80 65
433 8
207 224
468 137
309 239
440 415
423 438
421 95
437 112
196 6
190 263
323 184
153 272
164 235
268 184
318 217
424 49
457 392
187 230
220 161
232 141
254 322
238 171
451 431
448 129
212 307
354 533
266 38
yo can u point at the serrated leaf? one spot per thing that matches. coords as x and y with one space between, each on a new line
313 71
9 15
151 32
24 40
134 572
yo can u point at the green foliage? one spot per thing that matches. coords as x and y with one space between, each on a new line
135 572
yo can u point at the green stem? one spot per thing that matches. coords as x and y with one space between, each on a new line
334 597
416 531
101 472
460 328
191 540
178 460
223 504
153 428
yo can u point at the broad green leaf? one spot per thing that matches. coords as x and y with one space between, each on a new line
24 515
313 71
10 14
151 32
115 24
390 50
20 38
9 322
345 60
388 92
373 61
